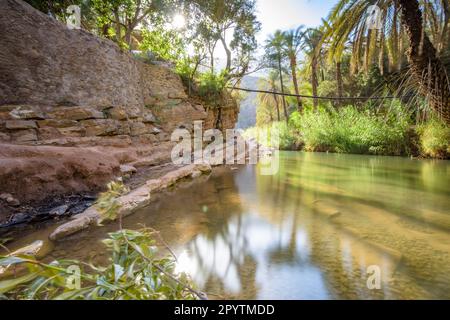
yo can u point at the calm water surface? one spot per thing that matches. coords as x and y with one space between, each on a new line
309 232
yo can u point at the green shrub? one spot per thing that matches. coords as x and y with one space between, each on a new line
211 85
135 271
434 139
350 130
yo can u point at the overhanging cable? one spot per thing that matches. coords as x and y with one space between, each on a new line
318 97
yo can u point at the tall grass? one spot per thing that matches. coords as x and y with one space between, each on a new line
434 139
350 130
365 130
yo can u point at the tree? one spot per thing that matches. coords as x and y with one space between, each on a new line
270 99
423 27
291 45
274 57
123 16
311 44
233 23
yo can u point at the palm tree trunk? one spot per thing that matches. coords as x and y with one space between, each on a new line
427 68
277 105
295 81
314 82
282 89
340 86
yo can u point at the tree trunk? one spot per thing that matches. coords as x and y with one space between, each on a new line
340 86
282 89
277 105
295 81
314 82
228 53
427 69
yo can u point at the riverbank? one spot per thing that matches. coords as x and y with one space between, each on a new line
360 131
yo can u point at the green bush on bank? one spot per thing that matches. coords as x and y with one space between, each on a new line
350 130
347 130
211 85
434 139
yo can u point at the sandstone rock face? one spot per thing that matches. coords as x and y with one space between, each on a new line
64 92
30 172
84 86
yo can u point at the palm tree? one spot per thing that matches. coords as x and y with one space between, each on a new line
423 26
274 54
271 83
312 46
292 42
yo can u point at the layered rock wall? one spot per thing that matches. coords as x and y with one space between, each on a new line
67 87
74 107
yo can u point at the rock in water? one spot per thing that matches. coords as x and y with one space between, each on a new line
9 199
127 169
59 211
30 250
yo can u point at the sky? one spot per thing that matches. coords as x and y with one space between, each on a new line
288 14
285 15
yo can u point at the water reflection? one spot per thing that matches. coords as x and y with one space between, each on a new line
312 231
309 232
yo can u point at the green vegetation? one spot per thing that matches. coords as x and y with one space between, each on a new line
360 131
350 130
344 63
435 139
211 85
135 271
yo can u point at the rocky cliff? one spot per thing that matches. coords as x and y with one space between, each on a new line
69 96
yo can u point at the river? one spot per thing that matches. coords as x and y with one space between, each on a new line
316 230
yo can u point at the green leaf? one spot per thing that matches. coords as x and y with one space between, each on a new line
6 261
8 285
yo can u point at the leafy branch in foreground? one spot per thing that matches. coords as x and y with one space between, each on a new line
107 204
135 271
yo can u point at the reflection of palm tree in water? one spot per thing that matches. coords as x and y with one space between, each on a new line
225 232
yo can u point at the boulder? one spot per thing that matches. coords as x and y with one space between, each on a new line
48 133
149 117
127 169
75 113
9 199
101 127
133 112
138 128
27 135
25 112
20 124
117 113
57 123
59 211
76 131
4 136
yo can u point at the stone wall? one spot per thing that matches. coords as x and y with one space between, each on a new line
74 109
69 87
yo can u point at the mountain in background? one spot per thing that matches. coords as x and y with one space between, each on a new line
247 113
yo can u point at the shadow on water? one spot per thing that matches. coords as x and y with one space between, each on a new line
309 232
